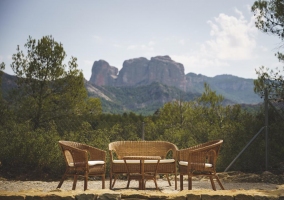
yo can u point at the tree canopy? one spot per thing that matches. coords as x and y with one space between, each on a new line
270 16
47 88
270 19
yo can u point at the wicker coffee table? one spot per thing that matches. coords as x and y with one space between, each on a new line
140 175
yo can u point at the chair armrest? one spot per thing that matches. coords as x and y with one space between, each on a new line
79 156
111 156
183 154
95 153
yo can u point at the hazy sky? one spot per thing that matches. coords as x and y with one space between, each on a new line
208 37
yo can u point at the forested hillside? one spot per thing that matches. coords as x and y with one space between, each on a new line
147 99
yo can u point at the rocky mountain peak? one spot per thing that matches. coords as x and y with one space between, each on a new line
162 58
103 73
140 71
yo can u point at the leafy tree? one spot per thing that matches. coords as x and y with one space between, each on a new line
270 19
209 98
5 113
174 113
47 89
270 16
189 123
270 80
2 67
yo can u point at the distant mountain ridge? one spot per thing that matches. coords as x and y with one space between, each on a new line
143 85
162 69
236 89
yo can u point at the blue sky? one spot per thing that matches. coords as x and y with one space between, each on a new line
207 37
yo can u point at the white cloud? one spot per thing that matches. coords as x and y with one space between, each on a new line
97 38
199 64
182 42
151 43
117 45
233 38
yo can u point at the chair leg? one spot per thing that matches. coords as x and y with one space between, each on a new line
63 178
189 182
181 182
155 184
103 181
61 181
74 182
128 182
219 182
167 175
212 183
175 181
115 176
85 182
110 181
141 185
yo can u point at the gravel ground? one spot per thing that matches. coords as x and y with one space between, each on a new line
163 185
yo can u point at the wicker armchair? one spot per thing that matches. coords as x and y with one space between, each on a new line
199 160
82 160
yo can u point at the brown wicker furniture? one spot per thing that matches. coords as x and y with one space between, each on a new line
199 160
82 160
120 149
142 176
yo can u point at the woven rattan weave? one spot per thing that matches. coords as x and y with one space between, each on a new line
165 150
142 177
82 160
199 160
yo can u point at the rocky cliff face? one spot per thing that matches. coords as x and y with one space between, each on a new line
133 73
166 71
103 73
140 71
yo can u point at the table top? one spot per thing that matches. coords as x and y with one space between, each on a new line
142 157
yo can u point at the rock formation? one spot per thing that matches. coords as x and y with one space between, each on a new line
166 71
103 73
140 71
133 73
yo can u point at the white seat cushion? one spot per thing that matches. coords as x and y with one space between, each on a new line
96 162
146 161
207 165
161 161
91 163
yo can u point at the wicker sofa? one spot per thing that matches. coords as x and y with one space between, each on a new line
166 150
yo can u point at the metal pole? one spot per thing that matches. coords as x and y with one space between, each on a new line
266 128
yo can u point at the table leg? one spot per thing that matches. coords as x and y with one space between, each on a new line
142 173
